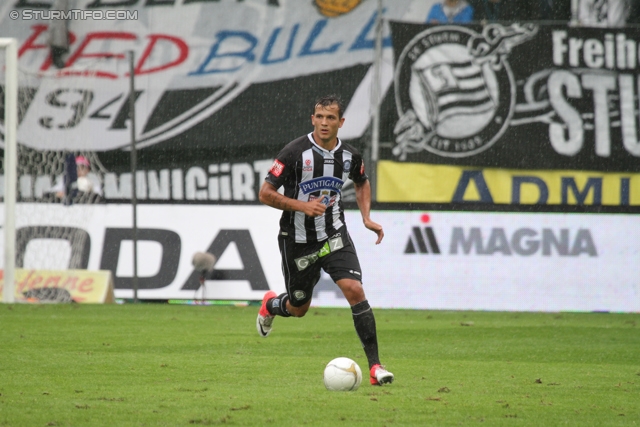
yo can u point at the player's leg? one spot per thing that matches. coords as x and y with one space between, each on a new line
344 268
301 288
297 300
272 303
365 324
299 279
301 271
363 319
280 305
298 311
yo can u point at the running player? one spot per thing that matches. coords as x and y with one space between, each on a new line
313 233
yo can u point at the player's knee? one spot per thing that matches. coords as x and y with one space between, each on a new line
352 290
298 311
355 296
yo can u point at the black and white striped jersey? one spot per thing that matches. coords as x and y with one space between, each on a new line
308 171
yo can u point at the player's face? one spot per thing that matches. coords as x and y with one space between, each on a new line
82 170
326 123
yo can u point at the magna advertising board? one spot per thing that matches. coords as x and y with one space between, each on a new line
502 261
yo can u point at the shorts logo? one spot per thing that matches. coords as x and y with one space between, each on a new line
455 91
305 261
331 245
277 168
299 295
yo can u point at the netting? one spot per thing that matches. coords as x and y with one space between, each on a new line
55 100
58 182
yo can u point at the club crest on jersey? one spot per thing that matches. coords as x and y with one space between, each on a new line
277 168
455 91
327 198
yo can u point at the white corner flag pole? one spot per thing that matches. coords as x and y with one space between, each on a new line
134 168
10 165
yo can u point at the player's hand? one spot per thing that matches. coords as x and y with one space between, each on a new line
376 228
314 208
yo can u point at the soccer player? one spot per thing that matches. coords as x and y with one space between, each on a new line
313 233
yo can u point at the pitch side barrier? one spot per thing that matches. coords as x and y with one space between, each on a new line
428 259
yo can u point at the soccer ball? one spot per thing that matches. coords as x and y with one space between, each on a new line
342 374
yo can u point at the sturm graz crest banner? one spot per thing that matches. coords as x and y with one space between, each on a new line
513 113
455 90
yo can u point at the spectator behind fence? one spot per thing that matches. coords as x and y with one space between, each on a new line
450 12
84 182
604 13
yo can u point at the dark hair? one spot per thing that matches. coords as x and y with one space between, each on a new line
328 100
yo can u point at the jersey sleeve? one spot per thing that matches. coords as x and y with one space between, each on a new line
281 168
357 173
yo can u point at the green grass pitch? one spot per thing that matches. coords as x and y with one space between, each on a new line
176 365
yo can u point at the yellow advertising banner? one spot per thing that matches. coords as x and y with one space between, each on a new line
401 182
80 286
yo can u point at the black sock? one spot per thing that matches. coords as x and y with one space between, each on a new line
278 305
365 325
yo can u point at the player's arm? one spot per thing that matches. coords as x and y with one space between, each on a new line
363 198
269 196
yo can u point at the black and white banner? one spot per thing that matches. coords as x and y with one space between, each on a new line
520 95
513 114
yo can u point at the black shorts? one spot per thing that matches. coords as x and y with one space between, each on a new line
301 263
